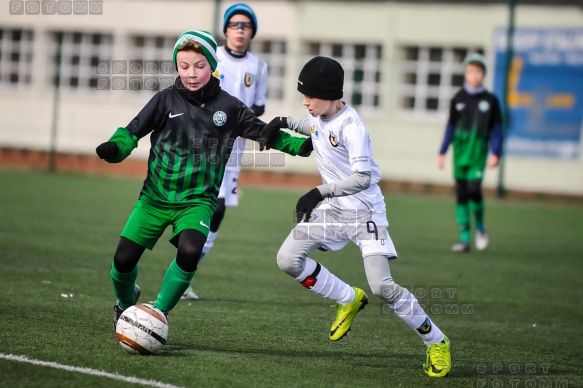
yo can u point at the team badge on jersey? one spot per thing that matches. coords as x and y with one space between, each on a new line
333 139
249 78
219 118
484 106
314 132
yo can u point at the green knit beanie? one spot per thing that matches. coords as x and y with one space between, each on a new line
475 57
206 41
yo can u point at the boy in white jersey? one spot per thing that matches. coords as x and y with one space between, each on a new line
353 209
244 76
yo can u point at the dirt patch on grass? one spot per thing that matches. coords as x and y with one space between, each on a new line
136 167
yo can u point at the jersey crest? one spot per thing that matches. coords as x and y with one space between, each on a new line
333 139
249 79
219 118
484 106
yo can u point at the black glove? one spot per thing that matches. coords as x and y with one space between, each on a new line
270 131
307 203
306 147
279 122
107 150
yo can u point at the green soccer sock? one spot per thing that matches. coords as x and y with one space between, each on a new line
123 286
477 209
462 212
174 284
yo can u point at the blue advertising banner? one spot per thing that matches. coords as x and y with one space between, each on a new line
545 96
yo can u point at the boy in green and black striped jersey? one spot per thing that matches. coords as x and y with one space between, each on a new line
193 126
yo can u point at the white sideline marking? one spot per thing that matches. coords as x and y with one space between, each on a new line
88 371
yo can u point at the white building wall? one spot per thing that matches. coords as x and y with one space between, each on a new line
404 145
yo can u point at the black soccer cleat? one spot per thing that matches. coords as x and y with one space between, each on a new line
117 311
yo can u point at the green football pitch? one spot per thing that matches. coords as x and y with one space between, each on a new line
513 313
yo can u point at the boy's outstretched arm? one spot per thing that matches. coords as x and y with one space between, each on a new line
299 125
118 147
272 137
125 139
269 135
294 146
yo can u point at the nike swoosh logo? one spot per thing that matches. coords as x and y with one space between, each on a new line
363 301
337 327
170 115
205 225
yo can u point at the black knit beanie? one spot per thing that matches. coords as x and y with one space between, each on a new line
322 78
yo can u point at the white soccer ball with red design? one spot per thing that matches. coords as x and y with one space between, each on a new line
142 329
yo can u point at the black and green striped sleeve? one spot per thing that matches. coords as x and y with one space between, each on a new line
250 128
126 138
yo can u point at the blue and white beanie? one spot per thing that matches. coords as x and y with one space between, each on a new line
242 9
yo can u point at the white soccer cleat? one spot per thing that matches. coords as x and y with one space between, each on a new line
461 246
482 240
189 294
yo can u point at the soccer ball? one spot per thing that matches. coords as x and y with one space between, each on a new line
142 329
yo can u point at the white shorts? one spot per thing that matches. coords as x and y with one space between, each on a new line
228 189
370 234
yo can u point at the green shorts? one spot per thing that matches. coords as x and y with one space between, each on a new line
148 221
468 173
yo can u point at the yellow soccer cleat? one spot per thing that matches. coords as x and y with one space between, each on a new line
346 313
438 362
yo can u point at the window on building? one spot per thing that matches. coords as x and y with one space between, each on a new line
430 76
362 65
15 57
150 67
274 53
81 54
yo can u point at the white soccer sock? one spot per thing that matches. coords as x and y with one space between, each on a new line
315 277
408 309
210 241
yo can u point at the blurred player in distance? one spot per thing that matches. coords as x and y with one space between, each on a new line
193 125
353 209
244 76
474 128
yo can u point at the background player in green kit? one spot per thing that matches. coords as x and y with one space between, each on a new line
193 126
475 130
